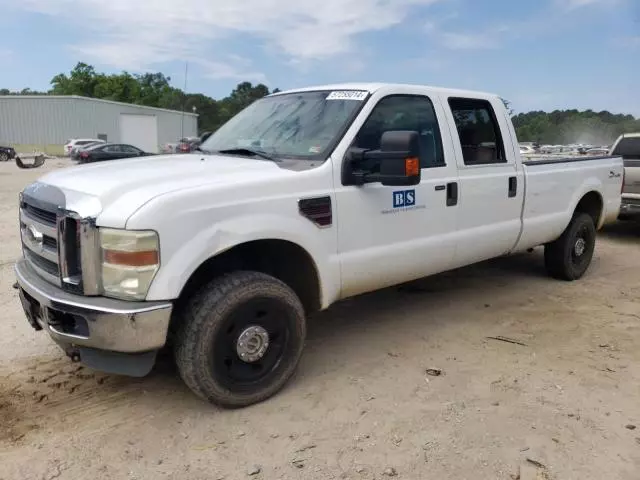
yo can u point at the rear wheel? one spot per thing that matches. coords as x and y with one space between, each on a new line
4 157
240 339
569 257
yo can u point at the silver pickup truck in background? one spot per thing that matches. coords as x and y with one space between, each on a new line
627 146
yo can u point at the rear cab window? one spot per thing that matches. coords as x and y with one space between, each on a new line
628 148
478 131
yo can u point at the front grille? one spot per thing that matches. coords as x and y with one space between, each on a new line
60 246
42 263
631 201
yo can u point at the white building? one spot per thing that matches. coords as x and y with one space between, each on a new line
47 122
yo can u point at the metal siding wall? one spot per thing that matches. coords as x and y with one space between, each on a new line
28 120
170 127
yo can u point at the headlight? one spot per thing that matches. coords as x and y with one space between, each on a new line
130 260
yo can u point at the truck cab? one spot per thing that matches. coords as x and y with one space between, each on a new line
304 198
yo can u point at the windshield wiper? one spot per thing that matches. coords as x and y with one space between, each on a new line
249 151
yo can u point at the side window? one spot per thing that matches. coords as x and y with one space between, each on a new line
404 112
112 149
478 131
128 149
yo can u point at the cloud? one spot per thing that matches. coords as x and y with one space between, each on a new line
479 40
231 69
134 34
575 4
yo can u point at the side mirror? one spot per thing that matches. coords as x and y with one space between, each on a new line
397 163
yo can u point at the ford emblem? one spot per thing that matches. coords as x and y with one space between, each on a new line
35 236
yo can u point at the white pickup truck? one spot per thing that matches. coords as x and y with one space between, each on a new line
304 198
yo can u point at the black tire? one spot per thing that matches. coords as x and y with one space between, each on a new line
4 157
569 257
208 344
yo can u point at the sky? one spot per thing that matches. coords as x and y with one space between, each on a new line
538 54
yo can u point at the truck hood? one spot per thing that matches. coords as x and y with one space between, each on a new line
126 185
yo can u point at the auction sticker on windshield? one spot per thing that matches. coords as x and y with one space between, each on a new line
347 95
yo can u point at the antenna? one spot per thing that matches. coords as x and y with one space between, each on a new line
184 97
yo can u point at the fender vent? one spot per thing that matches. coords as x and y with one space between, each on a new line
317 209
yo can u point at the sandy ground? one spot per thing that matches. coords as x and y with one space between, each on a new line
562 406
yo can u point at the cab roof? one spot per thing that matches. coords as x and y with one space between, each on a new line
373 87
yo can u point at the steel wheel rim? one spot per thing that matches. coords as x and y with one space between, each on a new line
257 315
581 245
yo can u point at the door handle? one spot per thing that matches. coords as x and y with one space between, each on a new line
440 188
513 186
452 194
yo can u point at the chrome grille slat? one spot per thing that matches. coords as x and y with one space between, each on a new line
41 263
45 252
47 230
41 215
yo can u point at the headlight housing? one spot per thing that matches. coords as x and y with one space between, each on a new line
130 261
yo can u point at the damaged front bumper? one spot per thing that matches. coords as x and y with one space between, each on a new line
111 335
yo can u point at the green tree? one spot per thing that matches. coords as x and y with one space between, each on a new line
81 81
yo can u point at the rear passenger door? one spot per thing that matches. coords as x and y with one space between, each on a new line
491 186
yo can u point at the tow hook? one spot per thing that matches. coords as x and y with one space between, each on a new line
73 354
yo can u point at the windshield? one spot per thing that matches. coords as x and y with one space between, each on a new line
302 125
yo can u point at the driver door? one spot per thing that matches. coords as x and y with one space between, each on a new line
389 235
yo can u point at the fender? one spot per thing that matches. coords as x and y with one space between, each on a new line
591 184
180 264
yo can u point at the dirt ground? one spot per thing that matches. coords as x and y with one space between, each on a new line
563 405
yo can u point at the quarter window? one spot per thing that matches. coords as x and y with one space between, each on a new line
478 131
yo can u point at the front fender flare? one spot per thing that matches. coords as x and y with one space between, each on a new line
222 236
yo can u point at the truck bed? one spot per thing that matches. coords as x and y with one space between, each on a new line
554 182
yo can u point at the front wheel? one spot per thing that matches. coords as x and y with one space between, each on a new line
4 157
240 339
569 257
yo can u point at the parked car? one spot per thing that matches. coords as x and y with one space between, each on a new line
7 153
628 147
188 144
527 150
76 149
68 147
597 151
169 148
304 198
110 151
204 136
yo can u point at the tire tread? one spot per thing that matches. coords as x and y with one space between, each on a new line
204 310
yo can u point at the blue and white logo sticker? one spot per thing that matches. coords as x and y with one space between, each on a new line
403 201
404 198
